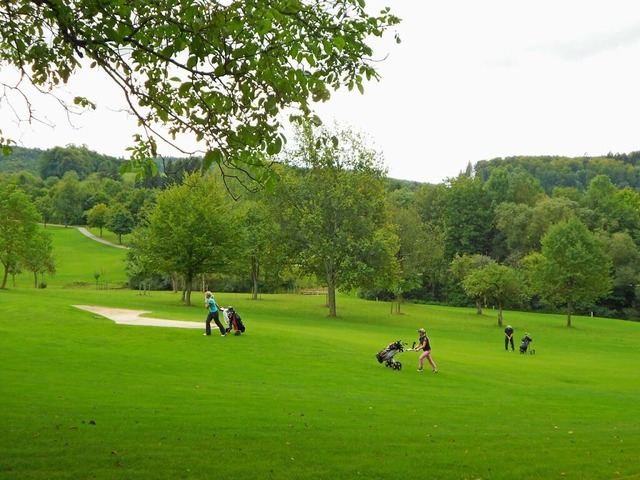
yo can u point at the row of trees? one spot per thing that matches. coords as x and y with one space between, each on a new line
324 218
555 171
334 216
571 267
235 68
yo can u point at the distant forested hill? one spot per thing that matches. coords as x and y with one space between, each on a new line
551 171
59 160
21 159
622 169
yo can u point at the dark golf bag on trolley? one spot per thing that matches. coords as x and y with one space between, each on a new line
524 346
235 322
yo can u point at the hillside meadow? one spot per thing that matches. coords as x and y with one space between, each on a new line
301 395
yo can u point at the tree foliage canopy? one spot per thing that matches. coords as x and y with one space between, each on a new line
572 266
18 226
500 283
186 232
332 210
221 72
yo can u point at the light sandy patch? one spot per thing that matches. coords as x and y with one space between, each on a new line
132 317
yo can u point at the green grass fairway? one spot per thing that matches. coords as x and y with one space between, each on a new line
78 259
301 396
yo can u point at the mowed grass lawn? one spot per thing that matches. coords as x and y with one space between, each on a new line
301 396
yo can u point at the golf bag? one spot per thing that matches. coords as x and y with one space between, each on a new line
386 355
524 346
225 318
235 322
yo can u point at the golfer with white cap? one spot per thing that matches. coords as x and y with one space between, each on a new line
426 351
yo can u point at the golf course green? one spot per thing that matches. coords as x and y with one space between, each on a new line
301 395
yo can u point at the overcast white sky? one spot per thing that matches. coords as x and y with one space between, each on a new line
471 80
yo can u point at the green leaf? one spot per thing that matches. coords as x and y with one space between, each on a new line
211 157
275 147
192 61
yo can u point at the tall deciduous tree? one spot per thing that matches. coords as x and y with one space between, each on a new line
18 226
469 218
499 283
549 211
625 256
463 265
221 72
431 202
333 212
120 221
264 250
614 210
512 222
572 267
44 205
67 199
187 232
413 252
38 256
98 216
513 185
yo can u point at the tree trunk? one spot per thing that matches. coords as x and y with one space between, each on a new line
255 274
569 308
479 306
500 313
331 292
4 278
331 286
398 302
188 284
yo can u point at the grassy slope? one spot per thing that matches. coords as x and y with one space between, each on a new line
302 396
79 258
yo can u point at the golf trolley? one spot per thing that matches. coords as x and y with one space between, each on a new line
386 355
524 346
234 321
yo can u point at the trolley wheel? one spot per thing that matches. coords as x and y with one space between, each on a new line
532 351
399 366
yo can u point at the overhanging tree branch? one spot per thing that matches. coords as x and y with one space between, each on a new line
221 73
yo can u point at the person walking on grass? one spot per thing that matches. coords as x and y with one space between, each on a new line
213 314
425 345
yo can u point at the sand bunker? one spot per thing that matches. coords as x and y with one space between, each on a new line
132 317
